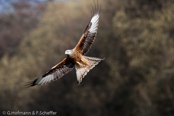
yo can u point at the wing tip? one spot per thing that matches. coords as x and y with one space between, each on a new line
32 83
96 8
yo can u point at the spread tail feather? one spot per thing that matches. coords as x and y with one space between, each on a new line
81 72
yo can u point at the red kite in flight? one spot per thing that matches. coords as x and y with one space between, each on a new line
75 57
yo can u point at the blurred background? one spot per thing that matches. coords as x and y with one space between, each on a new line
136 37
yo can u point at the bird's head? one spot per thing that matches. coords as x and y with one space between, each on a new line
68 52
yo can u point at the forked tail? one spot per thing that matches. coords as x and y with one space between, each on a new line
81 72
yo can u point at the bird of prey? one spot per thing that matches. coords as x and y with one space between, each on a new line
75 57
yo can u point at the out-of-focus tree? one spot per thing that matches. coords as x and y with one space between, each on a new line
135 79
17 18
142 57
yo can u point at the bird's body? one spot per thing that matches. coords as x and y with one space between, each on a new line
83 64
75 57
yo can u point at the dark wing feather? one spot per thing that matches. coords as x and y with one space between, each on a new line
89 34
56 72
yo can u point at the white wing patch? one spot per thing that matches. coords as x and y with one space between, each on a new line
94 21
46 79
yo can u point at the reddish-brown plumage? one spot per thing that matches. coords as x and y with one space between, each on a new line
75 57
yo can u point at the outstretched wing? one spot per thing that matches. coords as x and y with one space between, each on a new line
89 34
56 72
